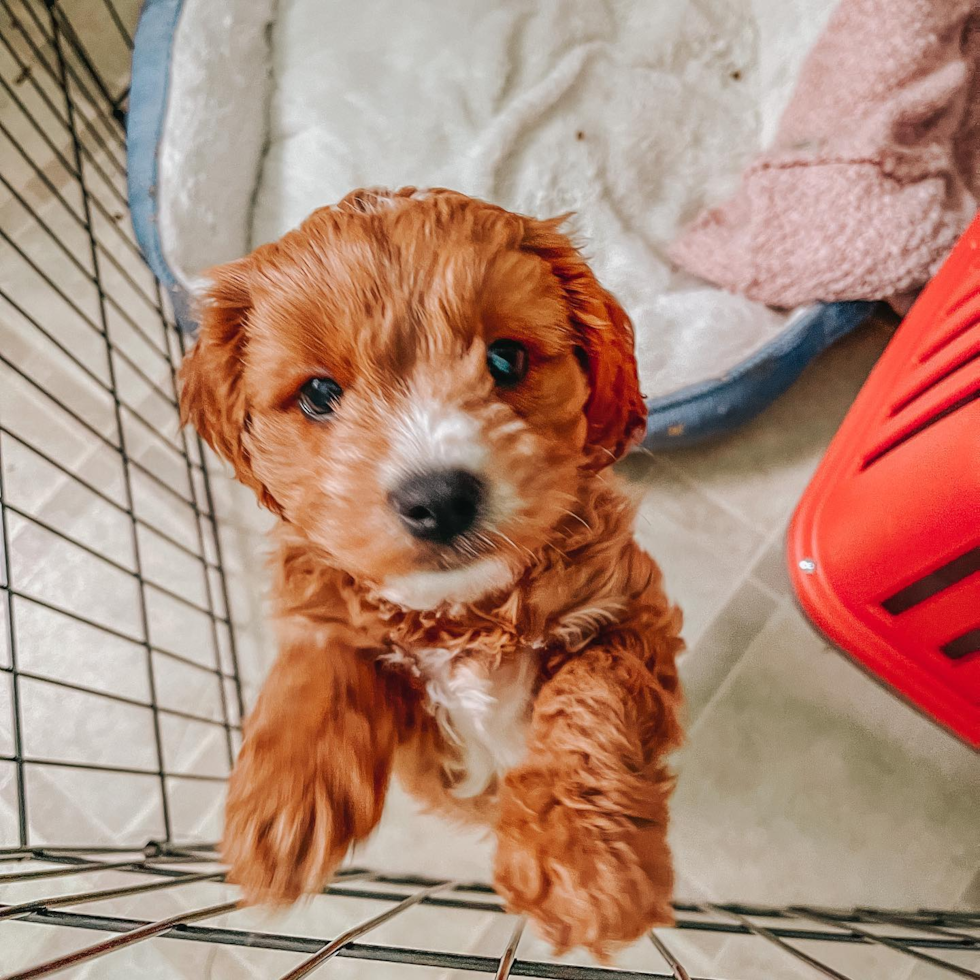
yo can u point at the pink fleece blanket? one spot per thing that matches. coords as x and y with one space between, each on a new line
874 171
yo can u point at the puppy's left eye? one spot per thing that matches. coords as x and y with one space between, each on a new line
319 397
507 362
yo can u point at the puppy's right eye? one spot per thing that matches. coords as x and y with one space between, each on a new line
319 397
507 362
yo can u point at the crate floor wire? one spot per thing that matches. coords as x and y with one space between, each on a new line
120 689
803 937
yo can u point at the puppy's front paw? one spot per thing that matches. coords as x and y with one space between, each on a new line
288 822
585 878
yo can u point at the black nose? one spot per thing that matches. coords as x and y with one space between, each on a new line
438 506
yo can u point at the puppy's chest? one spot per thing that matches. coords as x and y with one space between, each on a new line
482 705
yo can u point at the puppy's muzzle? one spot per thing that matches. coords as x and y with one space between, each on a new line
440 505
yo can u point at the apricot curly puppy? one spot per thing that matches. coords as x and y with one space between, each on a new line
427 389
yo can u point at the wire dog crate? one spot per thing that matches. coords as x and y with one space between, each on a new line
120 689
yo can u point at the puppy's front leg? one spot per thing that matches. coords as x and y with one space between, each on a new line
314 766
582 843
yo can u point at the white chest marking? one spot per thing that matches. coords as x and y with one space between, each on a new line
484 713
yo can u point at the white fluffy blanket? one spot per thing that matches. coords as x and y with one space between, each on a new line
631 113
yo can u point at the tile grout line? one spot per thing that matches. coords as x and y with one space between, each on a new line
781 608
739 582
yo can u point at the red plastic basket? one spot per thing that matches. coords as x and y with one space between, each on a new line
884 548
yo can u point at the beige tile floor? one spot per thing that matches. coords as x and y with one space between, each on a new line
801 780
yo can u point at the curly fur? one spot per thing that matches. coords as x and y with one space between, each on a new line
523 680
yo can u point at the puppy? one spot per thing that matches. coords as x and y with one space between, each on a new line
428 390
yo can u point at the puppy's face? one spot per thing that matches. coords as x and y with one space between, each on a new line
418 382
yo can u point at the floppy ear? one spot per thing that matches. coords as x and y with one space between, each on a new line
616 412
212 395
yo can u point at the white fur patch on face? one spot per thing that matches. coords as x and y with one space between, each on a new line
484 714
429 589
430 435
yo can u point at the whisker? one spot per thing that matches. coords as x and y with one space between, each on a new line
516 546
564 554
577 517
513 544
467 549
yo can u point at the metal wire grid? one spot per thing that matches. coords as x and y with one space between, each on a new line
796 933
116 647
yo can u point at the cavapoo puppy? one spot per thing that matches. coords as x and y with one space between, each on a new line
428 391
